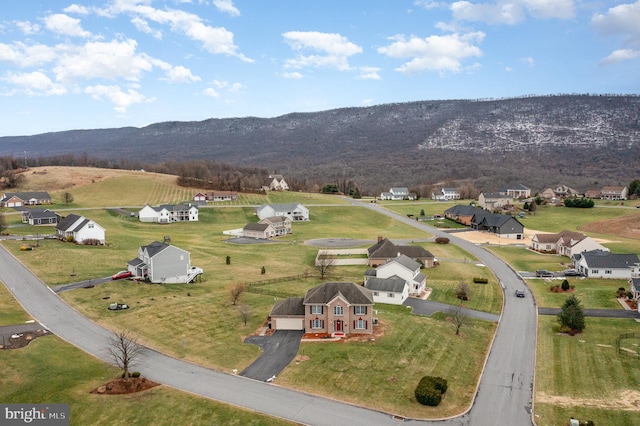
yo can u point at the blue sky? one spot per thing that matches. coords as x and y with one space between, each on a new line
117 63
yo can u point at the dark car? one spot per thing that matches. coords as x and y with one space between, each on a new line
571 273
122 274
544 273
519 293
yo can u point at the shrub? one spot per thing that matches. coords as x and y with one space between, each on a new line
135 374
430 389
442 240
69 238
478 280
565 285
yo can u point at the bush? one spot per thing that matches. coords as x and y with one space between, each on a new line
135 374
565 285
430 389
442 240
480 280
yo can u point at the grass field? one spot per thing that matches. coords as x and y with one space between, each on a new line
198 323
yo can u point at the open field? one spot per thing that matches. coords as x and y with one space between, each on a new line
198 323
42 373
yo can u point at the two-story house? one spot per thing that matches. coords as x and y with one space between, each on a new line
169 213
163 264
294 211
446 194
399 268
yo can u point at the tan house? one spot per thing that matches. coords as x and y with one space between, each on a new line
384 250
276 183
332 308
614 193
558 192
566 243
494 200
516 191
261 231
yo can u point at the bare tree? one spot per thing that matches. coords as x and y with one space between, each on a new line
458 318
463 291
245 313
324 264
236 292
124 350
3 223
67 197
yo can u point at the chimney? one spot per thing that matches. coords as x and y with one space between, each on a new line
380 238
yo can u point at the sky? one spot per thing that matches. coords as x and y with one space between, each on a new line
115 63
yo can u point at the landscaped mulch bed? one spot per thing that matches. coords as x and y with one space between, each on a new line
121 386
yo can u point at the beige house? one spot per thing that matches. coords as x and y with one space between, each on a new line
614 193
494 200
566 243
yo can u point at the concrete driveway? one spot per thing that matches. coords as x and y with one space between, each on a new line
279 350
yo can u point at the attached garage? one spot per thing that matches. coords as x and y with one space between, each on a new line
288 314
287 323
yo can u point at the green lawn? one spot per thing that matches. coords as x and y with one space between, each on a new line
11 312
43 372
583 376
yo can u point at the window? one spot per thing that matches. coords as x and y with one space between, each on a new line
338 311
360 310
594 271
390 295
316 309
317 323
90 226
607 271
360 324
375 293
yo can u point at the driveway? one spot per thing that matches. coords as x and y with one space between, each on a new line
279 350
428 307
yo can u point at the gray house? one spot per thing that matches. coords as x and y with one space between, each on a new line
500 224
164 264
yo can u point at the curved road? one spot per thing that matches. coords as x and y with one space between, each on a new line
504 393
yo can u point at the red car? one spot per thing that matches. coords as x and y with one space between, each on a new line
122 274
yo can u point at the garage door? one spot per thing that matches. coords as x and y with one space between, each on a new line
289 324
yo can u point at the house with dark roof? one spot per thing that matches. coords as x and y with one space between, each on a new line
169 213
163 263
604 264
502 225
39 217
566 243
463 213
384 250
80 230
332 308
393 290
19 199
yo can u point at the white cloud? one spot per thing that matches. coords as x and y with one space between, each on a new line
621 20
77 9
144 27
369 73
292 75
334 48
35 83
65 25
106 60
620 56
216 40
429 4
529 61
27 27
512 12
226 6
180 74
434 53
210 91
120 99
25 55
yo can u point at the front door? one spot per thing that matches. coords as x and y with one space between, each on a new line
338 326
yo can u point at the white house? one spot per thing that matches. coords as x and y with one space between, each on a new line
294 211
614 193
402 267
399 193
446 194
604 264
393 291
80 229
276 183
163 263
168 213
566 243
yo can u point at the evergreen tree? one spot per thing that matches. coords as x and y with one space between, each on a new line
571 315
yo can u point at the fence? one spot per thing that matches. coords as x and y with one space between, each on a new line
626 351
256 286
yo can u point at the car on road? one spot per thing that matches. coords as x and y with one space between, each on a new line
519 293
122 274
571 273
544 273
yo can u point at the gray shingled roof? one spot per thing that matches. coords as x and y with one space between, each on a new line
385 249
154 248
290 306
606 259
66 222
405 261
393 284
463 210
353 293
40 195
259 227
635 283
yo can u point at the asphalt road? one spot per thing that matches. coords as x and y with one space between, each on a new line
504 395
279 350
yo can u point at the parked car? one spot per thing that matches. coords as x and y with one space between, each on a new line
519 293
117 306
544 273
122 274
571 273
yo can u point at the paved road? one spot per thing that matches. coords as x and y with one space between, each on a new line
504 395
